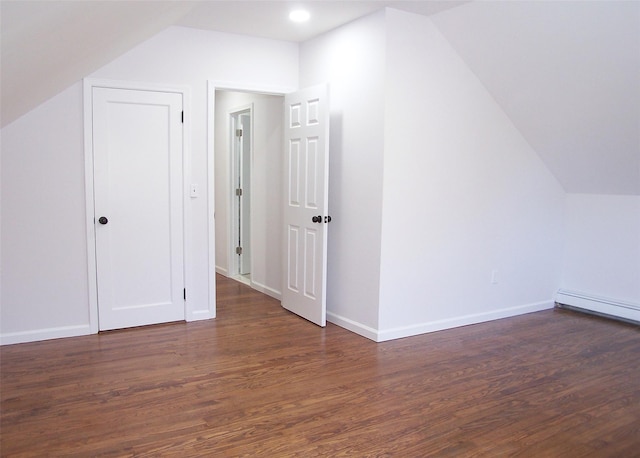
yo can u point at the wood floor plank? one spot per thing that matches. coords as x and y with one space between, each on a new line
259 381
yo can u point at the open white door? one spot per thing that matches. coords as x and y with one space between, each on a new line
306 202
138 195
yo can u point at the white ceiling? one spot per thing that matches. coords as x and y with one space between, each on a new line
269 19
48 45
567 73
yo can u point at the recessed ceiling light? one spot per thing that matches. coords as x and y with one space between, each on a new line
299 15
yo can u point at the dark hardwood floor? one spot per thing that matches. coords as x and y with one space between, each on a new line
259 381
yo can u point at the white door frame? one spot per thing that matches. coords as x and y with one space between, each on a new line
88 85
232 204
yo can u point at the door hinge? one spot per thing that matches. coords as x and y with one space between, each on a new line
184 294
239 192
238 250
238 132
182 118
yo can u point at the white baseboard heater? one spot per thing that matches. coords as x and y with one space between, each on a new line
621 310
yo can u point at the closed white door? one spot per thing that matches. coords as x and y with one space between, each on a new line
138 201
306 203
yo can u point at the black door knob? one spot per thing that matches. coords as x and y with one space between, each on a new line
316 219
103 220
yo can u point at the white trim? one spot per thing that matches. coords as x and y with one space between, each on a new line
241 279
137 86
432 326
199 315
602 305
353 326
266 290
422 328
211 200
222 271
257 88
257 286
45 334
88 85
90 204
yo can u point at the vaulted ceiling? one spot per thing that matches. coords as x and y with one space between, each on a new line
48 45
566 73
568 76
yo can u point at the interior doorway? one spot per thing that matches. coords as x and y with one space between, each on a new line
248 167
304 115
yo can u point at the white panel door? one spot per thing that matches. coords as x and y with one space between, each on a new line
138 200
306 203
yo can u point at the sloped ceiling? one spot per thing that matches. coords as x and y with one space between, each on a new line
566 73
568 76
48 45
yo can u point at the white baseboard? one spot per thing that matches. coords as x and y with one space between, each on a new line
222 271
199 315
266 290
255 285
353 326
601 305
432 326
44 334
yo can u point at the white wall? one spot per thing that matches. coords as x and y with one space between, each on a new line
464 195
352 60
44 258
431 187
566 74
266 191
601 270
44 286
